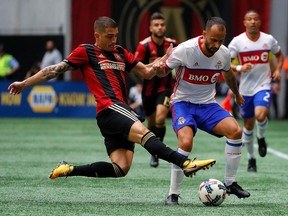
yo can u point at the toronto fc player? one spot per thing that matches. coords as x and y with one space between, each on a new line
252 50
200 61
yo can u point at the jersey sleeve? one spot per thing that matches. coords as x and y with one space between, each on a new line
131 60
228 62
176 58
233 49
140 52
275 48
77 57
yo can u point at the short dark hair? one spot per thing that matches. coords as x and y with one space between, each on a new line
104 22
215 21
156 15
251 11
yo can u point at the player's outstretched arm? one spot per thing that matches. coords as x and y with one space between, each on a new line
42 76
148 71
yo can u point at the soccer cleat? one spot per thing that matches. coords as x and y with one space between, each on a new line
252 165
235 189
190 167
63 169
154 162
262 147
172 199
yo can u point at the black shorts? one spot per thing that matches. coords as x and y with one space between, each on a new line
150 102
115 123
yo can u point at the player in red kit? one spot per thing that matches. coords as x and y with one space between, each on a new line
156 91
105 67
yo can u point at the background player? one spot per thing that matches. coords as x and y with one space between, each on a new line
156 91
252 50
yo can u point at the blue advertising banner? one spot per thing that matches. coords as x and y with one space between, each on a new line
52 99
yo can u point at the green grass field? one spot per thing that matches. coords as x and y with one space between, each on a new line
31 148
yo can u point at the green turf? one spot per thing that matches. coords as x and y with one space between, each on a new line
31 148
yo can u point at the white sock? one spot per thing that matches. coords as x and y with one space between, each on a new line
233 156
177 175
248 141
261 128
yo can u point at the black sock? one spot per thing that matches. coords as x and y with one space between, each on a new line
160 131
156 147
98 170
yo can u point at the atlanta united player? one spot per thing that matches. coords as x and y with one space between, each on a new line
156 91
252 50
200 61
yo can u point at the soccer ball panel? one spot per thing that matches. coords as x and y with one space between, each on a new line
212 192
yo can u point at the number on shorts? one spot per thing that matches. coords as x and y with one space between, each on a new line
266 97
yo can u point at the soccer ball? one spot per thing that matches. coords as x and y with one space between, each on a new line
212 192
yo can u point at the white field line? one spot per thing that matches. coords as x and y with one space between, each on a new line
275 152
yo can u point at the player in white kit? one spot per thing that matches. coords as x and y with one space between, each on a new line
252 50
200 61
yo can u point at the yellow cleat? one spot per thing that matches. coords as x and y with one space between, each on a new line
63 169
190 167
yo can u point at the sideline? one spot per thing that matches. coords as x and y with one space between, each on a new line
275 152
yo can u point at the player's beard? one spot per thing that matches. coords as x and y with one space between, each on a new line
211 50
160 36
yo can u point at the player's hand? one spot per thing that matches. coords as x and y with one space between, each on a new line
247 67
169 50
276 76
16 88
239 100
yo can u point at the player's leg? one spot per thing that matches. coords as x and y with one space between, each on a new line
262 102
151 125
185 127
247 113
121 162
228 126
114 124
185 142
162 109
149 106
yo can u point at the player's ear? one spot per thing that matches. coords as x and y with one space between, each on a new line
204 33
96 34
150 28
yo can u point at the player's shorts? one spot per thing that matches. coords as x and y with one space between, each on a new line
202 116
150 102
261 98
115 123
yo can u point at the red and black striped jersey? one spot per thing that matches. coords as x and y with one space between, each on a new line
104 72
147 51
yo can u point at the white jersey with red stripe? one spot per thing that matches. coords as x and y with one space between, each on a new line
197 73
257 53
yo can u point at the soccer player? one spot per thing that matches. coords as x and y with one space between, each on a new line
156 91
200 61
104 65
252 50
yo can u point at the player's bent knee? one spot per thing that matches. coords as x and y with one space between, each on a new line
234 133
120 172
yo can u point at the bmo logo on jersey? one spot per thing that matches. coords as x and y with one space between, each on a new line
202 77
257 57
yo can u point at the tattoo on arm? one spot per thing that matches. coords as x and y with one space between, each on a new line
53 71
